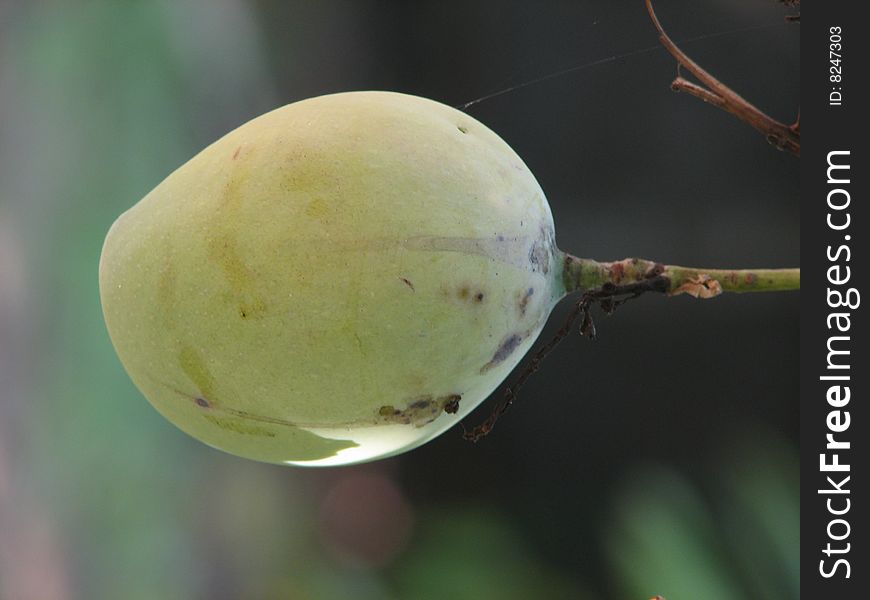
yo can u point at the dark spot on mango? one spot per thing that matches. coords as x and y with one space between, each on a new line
451 403
524 300
505 349
462 128
236 153
202 402
420 411
466 293
420 403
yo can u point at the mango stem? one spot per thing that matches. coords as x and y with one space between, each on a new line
588 274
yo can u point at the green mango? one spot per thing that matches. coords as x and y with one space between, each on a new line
339 280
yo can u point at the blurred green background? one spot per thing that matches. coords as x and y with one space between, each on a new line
659 460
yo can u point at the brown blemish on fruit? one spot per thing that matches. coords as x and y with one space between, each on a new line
420 411
451 406
236 153
254 309
197 371
466 293
240 277
462 128
505 349
750 278
408 283
421 403
317 208
224 249
523 303
202 402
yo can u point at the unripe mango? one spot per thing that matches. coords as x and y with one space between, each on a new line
338 280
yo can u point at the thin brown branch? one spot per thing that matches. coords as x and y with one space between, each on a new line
684 85
791 4
718 94
510 392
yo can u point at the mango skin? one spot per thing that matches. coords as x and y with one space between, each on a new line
336 281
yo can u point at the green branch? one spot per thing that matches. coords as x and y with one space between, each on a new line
587 274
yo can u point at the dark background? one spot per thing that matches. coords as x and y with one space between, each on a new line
661 458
